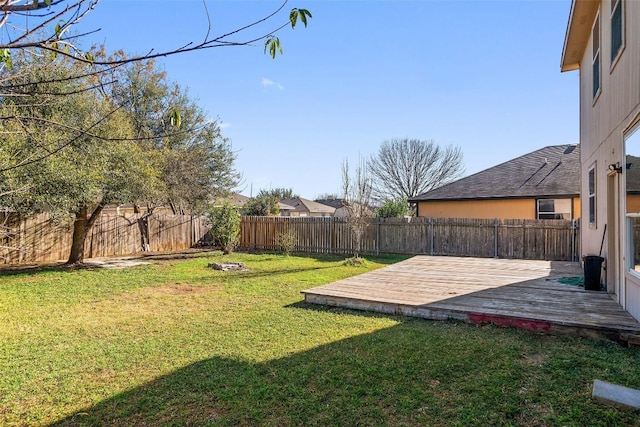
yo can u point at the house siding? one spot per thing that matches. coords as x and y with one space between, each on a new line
602 123
485 209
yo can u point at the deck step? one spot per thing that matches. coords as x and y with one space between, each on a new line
633 340
615 394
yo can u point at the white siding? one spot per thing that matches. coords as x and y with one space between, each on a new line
603 122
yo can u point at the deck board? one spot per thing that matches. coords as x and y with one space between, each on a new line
514 292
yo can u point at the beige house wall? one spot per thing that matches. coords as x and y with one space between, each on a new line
307 214
485 209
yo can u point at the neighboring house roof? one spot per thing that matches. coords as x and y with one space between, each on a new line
237 200
583 13
285 207
334 203
549 171
304 205
633 174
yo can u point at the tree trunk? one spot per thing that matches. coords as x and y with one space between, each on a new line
81 227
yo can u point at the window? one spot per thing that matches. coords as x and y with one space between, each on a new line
554 209
592 196
632 202
595 64
617 29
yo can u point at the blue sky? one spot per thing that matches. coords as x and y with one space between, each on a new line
482 75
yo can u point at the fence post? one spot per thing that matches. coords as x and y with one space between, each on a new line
573 239
377 236
330 234
495 238
431 236
255 233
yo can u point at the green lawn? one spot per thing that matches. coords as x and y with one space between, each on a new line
176 343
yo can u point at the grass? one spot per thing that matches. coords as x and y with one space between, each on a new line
175 343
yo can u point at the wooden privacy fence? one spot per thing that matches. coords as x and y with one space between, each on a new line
39 238
555 240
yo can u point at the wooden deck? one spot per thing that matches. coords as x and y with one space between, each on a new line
518 293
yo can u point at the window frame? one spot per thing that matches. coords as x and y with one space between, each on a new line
596 58
617 6
592 192
555 212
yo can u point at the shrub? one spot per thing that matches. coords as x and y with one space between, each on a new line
225 229
394 209
286 241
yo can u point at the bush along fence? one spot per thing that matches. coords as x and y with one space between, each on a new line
39 238
553 240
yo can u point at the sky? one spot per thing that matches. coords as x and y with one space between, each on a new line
481 75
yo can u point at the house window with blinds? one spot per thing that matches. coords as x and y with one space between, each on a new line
595 63
592 196
554 209
617 29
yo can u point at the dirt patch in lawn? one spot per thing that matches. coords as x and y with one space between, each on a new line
533 359
177 289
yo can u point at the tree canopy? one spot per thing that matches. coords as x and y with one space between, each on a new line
405 168
265 205
279 193
129 155
80 129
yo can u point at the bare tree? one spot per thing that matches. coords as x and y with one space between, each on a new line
357 200
46 25
405 168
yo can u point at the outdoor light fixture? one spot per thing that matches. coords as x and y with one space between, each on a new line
615 167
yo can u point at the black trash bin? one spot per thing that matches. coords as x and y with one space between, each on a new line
592 269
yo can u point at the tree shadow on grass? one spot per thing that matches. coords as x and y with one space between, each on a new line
400 375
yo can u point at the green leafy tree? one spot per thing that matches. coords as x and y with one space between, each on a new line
279 193
266 205
89 170
111 163
196 163
225 229
393 209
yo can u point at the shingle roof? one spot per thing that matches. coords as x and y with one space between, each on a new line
549 171
304 205
334 203
633 174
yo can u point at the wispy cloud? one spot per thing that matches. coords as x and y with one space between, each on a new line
269 83
224 125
